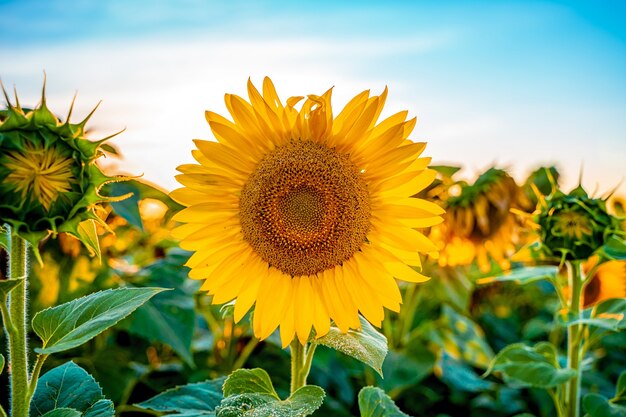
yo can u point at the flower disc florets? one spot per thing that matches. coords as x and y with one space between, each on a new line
573 226
49 181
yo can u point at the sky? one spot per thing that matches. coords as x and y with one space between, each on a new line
512 84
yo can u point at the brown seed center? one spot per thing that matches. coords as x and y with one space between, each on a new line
305 208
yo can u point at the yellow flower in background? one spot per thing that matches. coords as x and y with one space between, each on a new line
479 225
609 281
307 215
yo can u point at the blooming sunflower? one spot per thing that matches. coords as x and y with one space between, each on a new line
306 215
479 224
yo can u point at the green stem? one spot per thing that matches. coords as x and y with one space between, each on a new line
557 403
574 339
245 353
34 377
297 365
18 356
308 361
2 412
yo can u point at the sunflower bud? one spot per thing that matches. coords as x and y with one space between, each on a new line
49 182
573 226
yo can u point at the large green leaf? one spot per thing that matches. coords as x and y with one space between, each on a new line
199 399
367 345
596 405
524 275
72 324
249 393
69 387
373 402
535 366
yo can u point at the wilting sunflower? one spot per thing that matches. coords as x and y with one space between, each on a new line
305 214
479 225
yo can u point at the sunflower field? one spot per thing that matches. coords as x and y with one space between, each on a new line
313 261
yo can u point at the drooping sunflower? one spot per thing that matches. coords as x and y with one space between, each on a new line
306 215
479 224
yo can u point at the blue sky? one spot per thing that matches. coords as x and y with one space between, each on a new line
516 84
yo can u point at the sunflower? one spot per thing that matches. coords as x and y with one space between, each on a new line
306 215
49 180
479 225
609 281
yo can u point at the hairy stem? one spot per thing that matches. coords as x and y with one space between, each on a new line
18 354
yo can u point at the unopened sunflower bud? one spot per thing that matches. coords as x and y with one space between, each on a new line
573 226
49 182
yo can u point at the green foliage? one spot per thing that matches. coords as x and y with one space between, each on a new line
1 363
373 402
68 389
524 275
250 393
366 345
535 366
615 249
170 316
608 315
72 324
199 399
597 405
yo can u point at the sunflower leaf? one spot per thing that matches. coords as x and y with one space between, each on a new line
527 366
596 405
69 387
249 381
374 402
71 324
303 402
366 345
524 275
199 399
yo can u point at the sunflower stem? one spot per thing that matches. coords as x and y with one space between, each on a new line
573 339
297 365
18 355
